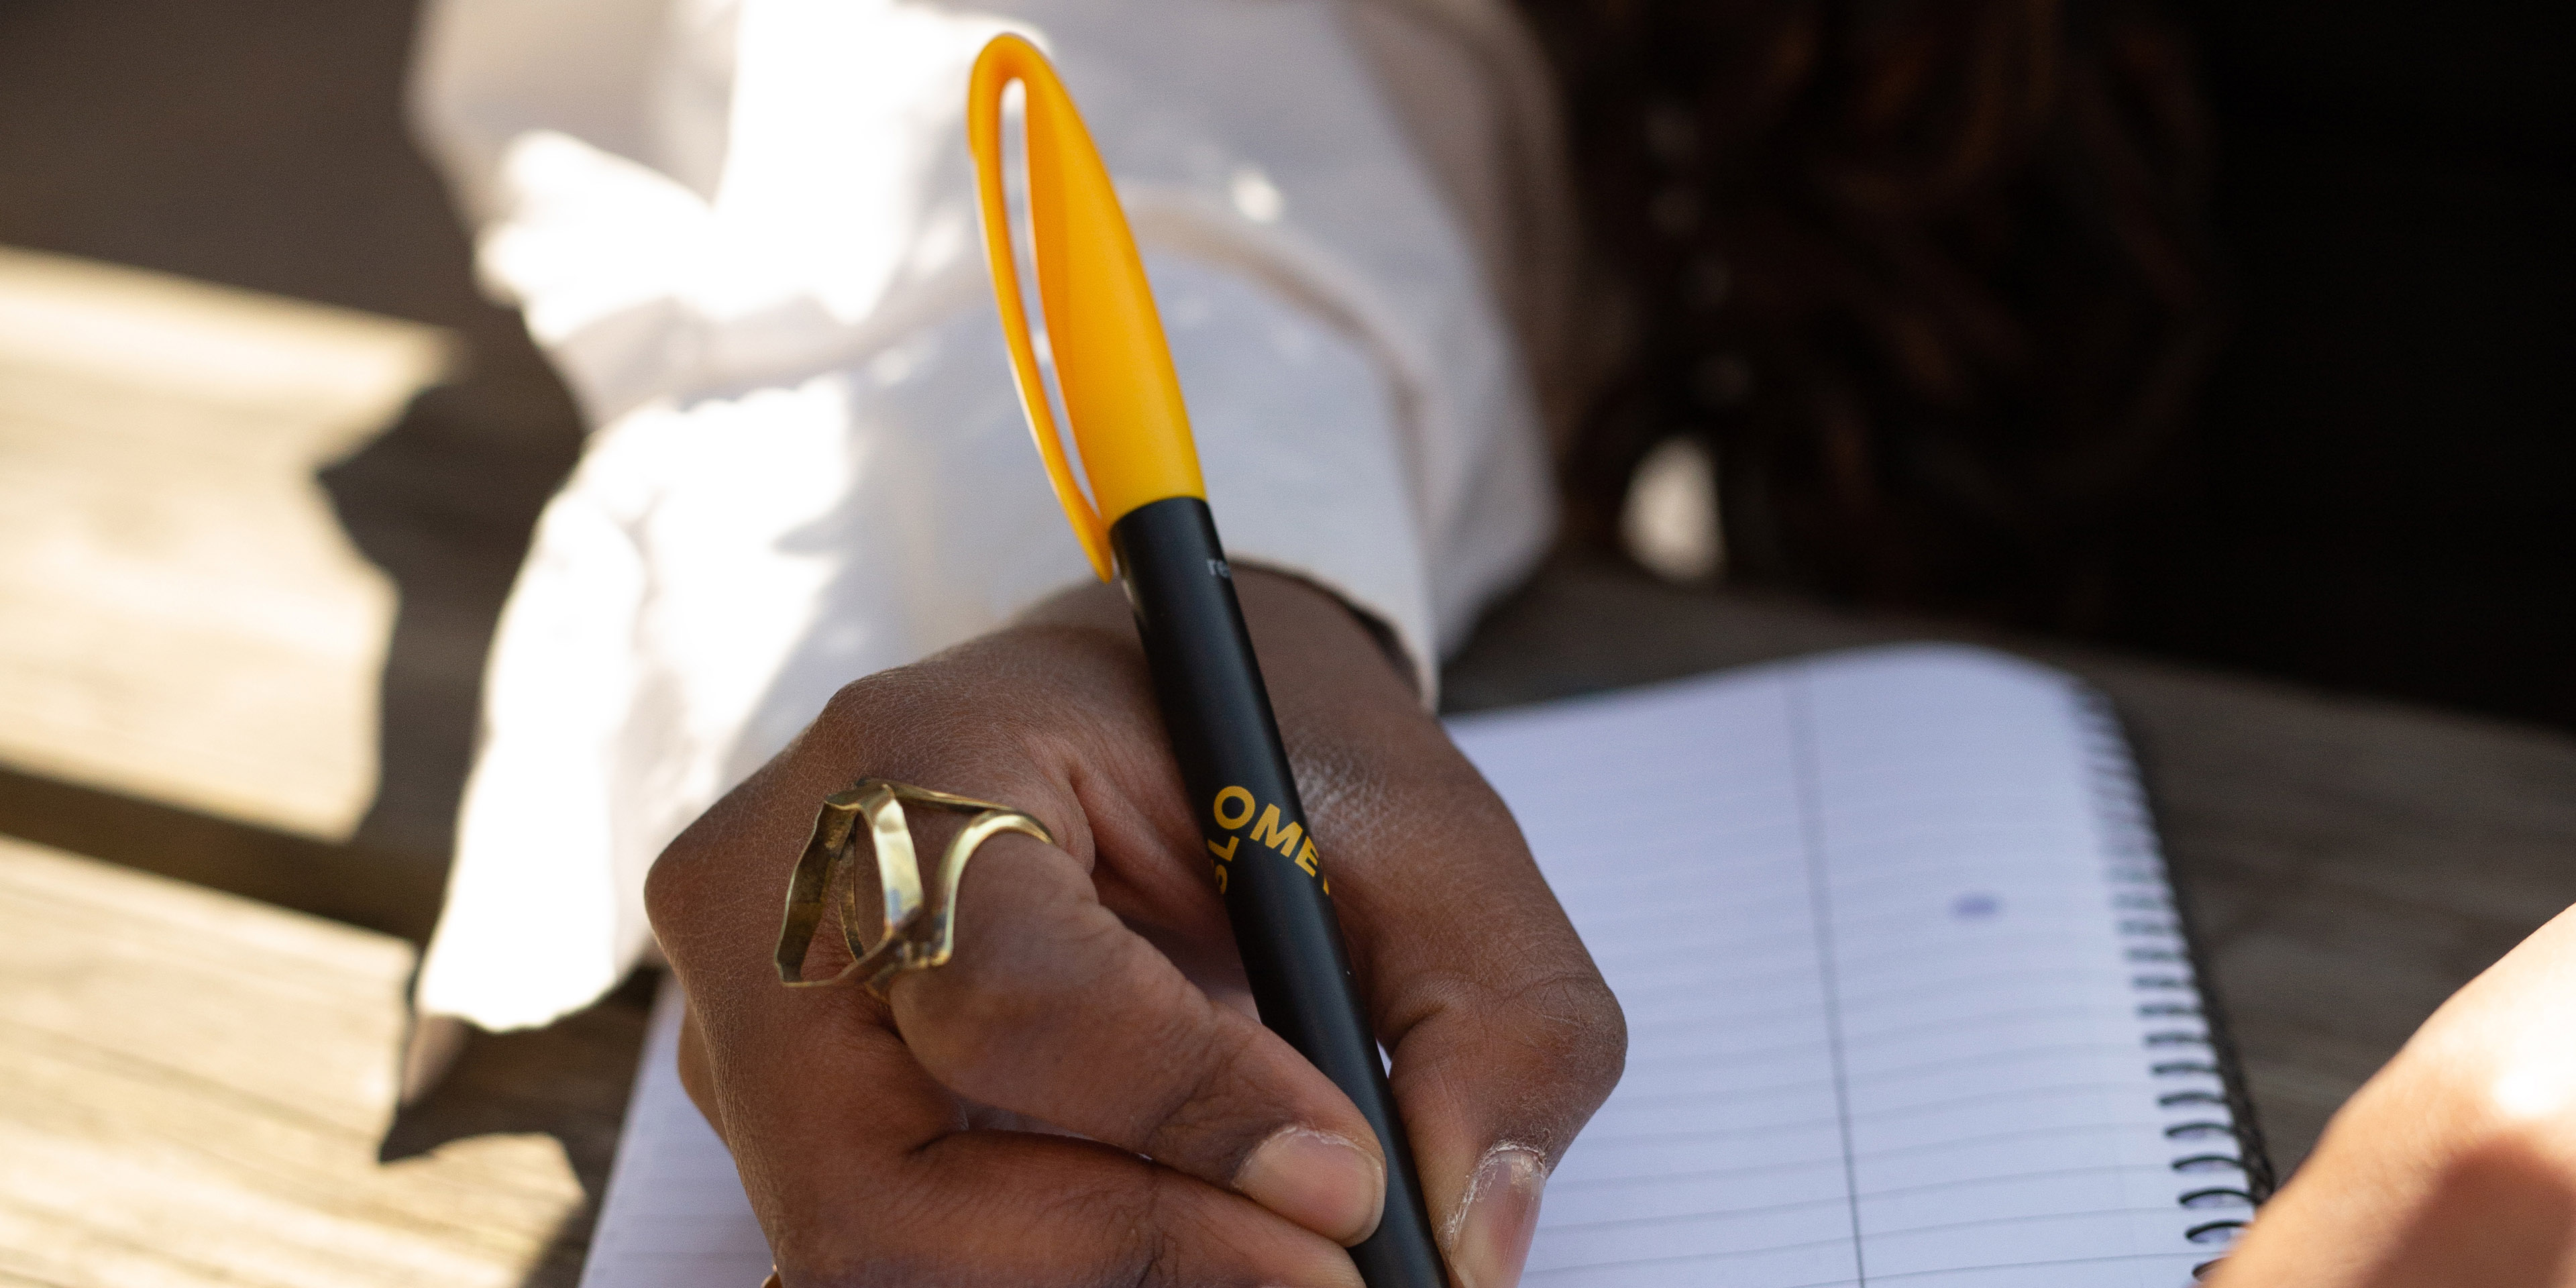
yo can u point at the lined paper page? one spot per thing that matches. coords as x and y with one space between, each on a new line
675 1216
1873 933
1899 966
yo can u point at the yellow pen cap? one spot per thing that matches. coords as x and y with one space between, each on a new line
1111 363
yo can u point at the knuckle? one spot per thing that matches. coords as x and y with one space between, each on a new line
670 885
980 1025
661 888
1140 1251
1162 1262
1165 1241
1576 1024
1007 1001
1560 1034
1201 1106
857 701
1204 1117
878 722
950 725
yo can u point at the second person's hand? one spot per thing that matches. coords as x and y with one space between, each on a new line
2455 1166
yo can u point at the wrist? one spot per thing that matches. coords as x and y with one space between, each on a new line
1298 628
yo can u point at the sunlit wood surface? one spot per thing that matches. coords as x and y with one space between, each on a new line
196 1089
187 621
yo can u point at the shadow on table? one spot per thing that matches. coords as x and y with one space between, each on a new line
568 1080
396 894
444 503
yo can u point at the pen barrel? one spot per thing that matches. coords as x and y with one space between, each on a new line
1268 867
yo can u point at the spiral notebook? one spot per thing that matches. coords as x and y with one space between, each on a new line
1909 998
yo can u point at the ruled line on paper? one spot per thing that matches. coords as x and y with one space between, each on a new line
1811 827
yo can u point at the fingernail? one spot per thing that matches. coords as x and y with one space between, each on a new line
1324 1182
1489 1239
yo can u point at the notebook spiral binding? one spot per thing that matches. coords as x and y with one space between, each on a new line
2186 1041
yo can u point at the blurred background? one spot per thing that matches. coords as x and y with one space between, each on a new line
2236 332
2247 347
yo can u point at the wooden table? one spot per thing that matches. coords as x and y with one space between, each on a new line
196 1088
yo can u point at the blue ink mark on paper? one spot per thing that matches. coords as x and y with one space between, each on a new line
1976 906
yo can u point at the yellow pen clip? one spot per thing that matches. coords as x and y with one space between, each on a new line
1111 364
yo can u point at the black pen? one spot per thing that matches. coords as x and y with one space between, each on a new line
1153 531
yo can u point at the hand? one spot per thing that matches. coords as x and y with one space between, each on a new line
1095 988
2455 1166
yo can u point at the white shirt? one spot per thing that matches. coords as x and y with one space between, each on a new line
744 232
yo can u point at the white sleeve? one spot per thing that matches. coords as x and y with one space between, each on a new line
743 230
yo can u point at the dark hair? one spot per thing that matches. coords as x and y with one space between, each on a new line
1928 277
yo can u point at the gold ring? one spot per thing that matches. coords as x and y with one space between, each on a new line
917 934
